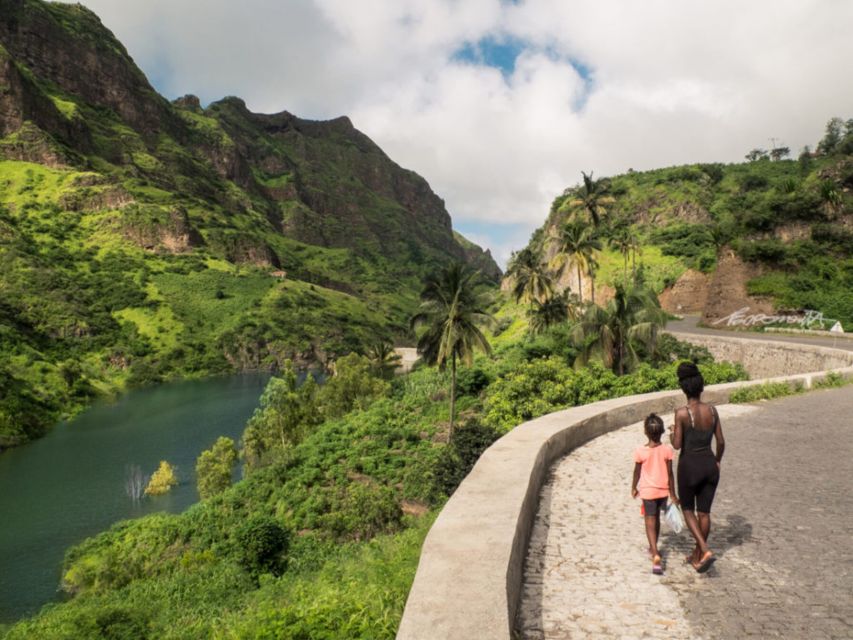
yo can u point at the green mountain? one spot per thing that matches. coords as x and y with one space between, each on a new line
772 235
142 239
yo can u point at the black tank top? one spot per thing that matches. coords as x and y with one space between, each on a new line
698 441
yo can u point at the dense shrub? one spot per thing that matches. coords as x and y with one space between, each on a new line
752 182
470 381
263 544
693 242
457 460
354 385
361 510
766 391
544 386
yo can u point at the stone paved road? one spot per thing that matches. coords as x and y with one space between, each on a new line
782 529
690 325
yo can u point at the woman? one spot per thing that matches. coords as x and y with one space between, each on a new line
698 468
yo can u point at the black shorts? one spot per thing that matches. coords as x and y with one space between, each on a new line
653 507
698 476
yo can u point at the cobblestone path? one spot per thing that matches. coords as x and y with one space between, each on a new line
782 528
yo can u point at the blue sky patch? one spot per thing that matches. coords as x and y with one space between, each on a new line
499 53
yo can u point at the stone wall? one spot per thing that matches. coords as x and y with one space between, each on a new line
768 358
469 577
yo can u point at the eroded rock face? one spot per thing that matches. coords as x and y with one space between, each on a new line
156 230
688 295
727 289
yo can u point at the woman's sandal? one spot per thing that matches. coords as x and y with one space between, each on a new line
657 567
705 563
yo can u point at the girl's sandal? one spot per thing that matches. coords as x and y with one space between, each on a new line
657 568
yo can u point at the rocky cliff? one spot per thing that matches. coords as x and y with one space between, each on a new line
73 96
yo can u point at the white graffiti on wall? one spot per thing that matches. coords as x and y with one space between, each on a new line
742 318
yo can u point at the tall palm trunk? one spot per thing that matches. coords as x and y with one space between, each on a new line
452 396
580 284
592 286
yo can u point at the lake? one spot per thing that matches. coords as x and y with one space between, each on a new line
58 490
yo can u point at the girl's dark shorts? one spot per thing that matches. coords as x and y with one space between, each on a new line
653 507
697 482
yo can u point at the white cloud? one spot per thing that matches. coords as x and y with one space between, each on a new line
671 81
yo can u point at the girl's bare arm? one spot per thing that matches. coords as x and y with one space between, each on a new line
672 497
637 467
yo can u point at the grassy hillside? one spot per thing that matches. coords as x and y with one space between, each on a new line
791 218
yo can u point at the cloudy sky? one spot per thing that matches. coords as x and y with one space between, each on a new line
500 104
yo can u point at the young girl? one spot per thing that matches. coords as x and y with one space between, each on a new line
653 482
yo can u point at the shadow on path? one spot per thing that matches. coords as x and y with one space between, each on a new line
733 531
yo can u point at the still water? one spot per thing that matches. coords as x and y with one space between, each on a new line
70 484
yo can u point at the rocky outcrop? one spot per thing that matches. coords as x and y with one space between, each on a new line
156 229
688 295
479 259
727 289
66 45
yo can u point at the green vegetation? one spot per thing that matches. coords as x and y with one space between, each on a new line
452 310
765 391
543 386
215 467
341 482
771 390
832 381
791 217
632 317
162 480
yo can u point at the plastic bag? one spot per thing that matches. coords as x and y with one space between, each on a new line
674 518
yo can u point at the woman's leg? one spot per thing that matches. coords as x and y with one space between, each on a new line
693 526
704 524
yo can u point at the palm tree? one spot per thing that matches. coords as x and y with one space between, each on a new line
452 307
549 312
636 249
532 282
592 269
593 196
621 240
575 242
633 315
384 360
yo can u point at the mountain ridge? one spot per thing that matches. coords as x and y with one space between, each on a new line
143 239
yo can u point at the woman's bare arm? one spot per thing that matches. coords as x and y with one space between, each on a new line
718 436
677 432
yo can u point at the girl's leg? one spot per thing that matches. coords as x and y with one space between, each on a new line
652 524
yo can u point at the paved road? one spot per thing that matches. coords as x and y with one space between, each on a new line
689 325
782 530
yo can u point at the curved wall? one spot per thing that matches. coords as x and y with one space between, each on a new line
469 576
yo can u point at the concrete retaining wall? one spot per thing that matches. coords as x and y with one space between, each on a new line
766 358
469 577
